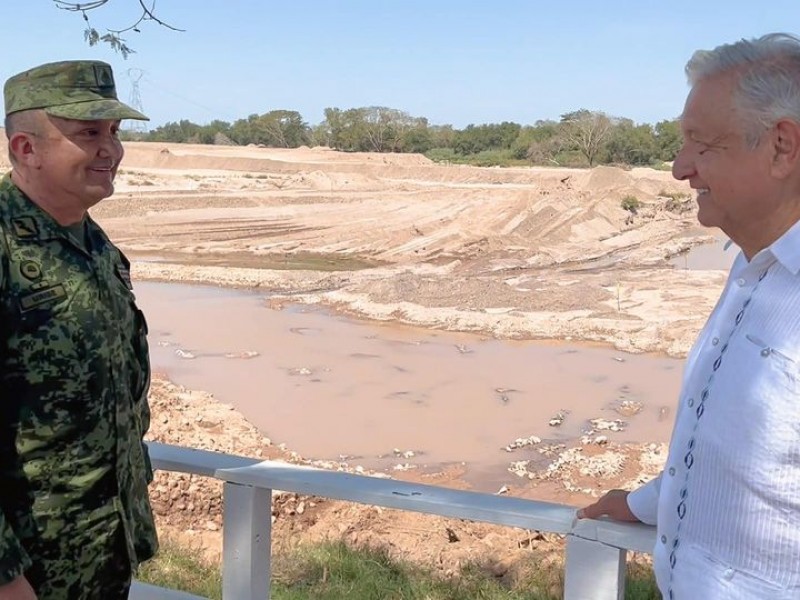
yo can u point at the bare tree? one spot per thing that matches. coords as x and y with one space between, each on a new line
112 36
586 131
546 151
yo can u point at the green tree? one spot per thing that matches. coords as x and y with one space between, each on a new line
533 140
490 136
208 133
242 131
631 144
346 128
417 139
442 136
181 131
281 129
320 134
374 129
669 139
381 128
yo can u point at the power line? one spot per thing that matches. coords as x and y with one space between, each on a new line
216 113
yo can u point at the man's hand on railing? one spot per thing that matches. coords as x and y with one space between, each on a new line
614 505
19 589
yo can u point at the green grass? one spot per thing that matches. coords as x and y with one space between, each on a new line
181 569
631 204
661 166
333 571
487 158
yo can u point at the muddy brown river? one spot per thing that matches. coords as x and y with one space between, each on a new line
329 386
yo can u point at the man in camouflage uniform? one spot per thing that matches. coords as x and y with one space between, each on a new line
75 519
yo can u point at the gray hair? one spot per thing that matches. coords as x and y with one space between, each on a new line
768 88
25 121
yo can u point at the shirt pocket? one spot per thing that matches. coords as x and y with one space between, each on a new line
781 364
720 578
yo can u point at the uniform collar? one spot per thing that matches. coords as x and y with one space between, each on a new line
28 220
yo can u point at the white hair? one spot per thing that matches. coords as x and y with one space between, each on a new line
768 85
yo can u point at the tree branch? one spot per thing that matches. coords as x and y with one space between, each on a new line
92 36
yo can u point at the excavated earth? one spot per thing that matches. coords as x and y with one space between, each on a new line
517 253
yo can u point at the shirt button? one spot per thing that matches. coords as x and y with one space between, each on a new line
741 281
715 341
728 574
663 539
765 352
672 471
690 402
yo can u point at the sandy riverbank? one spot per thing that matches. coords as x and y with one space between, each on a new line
512 253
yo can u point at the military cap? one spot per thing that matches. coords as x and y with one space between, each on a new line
73 89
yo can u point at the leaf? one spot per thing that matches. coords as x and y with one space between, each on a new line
91 36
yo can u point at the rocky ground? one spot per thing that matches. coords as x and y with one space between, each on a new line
189 507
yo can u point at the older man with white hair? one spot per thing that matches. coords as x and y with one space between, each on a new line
727 505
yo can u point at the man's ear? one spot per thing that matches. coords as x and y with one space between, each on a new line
785 140
22 146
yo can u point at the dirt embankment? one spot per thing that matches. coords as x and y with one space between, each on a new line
515 253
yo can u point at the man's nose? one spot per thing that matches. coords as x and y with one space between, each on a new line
683 165
110 146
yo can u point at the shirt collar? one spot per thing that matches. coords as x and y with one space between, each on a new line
786 249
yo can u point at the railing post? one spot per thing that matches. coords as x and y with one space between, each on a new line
246 542
593 570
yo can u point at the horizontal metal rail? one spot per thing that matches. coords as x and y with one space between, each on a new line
596 549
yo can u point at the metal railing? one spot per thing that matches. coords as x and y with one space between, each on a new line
596 550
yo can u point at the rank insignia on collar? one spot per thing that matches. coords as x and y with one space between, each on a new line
25 227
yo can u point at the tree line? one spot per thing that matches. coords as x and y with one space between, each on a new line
578 138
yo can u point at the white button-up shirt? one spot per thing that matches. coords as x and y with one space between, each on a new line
727 505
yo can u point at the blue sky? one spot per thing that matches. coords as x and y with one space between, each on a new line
452 61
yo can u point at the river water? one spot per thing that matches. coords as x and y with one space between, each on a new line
330 386
718 255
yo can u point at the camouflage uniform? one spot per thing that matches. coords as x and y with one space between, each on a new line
74 374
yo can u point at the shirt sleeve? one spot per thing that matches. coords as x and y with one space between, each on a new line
13 558
643 501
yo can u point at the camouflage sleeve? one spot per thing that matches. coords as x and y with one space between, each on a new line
13 558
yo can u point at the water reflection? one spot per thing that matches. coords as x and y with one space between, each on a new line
718 255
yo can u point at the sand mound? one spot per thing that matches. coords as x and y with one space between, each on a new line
602 179
331 181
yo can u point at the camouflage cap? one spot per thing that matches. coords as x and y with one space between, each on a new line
74 89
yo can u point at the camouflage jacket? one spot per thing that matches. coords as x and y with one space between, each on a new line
74 375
